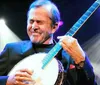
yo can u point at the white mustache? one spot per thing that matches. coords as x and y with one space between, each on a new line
35 31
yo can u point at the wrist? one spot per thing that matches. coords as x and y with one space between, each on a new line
80 65
9 81
79 60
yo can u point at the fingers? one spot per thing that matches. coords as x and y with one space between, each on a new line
12 80
67 40
73 48
24 73
20 83
24 83
27 70
68 43
23 77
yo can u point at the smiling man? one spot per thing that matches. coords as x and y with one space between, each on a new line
43 19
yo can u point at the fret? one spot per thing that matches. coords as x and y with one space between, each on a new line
88 13
98 1
84 18
80 21
71 31
77 25
92 7
68 33
96 4
74 28
91 10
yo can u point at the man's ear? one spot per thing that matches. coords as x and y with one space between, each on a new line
55 27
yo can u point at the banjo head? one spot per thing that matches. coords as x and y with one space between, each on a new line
47 76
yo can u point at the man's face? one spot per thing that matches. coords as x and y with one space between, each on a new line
39 25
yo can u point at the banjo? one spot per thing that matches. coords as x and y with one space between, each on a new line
43 64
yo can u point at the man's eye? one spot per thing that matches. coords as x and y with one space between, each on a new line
39 22
31 21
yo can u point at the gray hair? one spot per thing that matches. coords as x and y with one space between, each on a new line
50 6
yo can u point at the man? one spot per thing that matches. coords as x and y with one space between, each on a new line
42 22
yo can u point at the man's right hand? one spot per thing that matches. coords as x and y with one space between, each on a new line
21 77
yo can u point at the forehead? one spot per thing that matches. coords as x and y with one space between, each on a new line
39 11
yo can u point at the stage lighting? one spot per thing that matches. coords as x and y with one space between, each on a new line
6 35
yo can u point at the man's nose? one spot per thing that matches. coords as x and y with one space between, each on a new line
34 25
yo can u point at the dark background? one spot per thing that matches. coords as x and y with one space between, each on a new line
14 12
